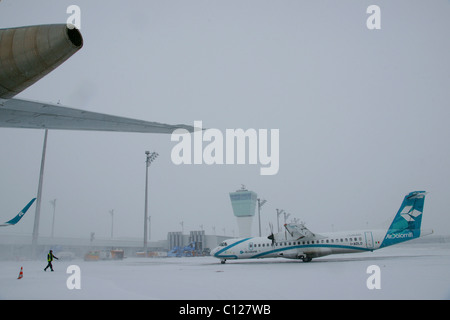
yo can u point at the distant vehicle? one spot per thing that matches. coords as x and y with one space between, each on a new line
92 256
175 252
300 243
115 254
19 216
186 251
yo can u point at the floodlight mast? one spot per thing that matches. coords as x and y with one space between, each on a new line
279 212
150 157
37 214
53 202
111 212
260 204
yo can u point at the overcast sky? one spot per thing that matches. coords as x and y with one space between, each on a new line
362 114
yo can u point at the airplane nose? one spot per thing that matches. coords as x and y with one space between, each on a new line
214 251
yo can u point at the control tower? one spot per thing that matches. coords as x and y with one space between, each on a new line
244 204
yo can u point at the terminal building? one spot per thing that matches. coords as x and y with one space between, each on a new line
18 247
243 203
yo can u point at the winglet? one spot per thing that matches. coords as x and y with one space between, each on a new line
19 216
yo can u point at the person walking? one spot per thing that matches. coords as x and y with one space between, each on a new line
50 257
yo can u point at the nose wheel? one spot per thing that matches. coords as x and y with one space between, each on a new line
222 261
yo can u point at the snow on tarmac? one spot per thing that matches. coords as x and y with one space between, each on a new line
419 271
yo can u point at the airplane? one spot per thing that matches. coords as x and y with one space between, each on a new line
297 242
29 53
19 216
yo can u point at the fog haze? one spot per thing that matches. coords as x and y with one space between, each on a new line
363 114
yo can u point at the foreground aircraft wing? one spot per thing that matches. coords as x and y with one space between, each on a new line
18 113
19 216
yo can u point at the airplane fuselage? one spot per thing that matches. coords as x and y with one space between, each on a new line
329 243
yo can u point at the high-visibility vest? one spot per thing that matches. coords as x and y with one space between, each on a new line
49 257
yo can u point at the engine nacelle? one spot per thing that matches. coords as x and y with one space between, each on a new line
29 53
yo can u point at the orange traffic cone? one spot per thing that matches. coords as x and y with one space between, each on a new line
21 273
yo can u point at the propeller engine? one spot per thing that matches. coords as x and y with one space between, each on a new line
272 236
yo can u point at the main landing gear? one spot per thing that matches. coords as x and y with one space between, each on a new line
305 258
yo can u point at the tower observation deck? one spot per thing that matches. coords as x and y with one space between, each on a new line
243 202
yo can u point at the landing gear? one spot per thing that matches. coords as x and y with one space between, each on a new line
223 261
305 258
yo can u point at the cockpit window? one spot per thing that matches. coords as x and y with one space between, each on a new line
223 244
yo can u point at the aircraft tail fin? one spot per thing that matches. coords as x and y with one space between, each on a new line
19 216
407 222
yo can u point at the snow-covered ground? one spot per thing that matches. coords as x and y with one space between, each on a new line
419 271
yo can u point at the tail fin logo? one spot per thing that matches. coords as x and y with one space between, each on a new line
407 222
409 213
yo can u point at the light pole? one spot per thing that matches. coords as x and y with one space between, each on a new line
260 204
279 212
53 202
37 215
286 215
111 212
150 157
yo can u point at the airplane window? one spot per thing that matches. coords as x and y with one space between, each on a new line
346 240
327 240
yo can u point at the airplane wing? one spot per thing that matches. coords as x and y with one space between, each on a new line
19 216
18 113
299 231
